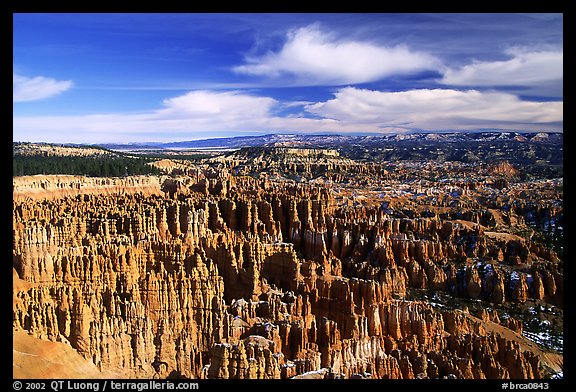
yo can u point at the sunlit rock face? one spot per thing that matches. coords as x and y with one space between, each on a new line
294 272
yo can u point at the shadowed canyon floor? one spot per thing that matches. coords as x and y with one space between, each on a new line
289 262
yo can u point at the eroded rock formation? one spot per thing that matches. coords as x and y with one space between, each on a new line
218 275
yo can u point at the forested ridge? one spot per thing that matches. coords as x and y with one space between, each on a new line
109 166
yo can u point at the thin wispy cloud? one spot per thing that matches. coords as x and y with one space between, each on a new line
523 68
36 88
311 56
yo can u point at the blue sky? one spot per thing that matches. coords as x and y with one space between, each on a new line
96 78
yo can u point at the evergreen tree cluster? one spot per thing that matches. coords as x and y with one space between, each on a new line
112 166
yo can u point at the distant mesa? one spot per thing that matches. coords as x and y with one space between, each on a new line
334 141
59 150
285 153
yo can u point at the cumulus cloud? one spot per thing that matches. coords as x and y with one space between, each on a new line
314 57
32 89
434 109
524 68
233 105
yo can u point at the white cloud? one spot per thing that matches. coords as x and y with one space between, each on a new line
36 88
314 57
436 109
197 112
203 114
206 104
524 68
